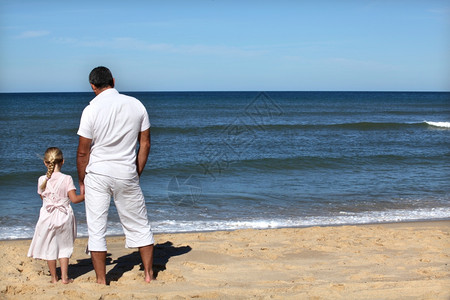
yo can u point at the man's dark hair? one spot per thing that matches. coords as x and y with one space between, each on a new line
101 77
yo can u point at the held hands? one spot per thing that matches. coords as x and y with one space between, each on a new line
81 188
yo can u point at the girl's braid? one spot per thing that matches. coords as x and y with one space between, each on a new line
52 157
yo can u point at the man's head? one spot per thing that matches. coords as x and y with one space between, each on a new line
101 78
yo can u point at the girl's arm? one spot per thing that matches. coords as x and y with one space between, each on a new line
74 197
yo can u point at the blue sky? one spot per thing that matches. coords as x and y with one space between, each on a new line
217 45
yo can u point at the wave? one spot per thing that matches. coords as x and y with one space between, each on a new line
237 165
327 162
243 126
375 125
342 218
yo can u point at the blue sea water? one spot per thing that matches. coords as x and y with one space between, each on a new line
229 160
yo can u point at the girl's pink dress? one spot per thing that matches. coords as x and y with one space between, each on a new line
56 228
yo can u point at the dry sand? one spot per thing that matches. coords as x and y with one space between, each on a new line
389 261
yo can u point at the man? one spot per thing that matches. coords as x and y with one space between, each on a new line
111 127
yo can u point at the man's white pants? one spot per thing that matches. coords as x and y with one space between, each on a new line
130 204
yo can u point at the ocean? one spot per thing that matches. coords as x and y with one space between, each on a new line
235 160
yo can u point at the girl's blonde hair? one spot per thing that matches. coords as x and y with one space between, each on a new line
53 156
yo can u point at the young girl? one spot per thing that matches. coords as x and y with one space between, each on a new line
56 228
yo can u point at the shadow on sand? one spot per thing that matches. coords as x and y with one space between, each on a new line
162 254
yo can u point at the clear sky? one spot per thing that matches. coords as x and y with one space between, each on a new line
208 45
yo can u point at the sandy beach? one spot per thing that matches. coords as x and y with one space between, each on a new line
380 261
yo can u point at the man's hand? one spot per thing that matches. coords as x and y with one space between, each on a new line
143 151
83 154
81 184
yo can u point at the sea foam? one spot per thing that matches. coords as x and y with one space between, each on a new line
438 124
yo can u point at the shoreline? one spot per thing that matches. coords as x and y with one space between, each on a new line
366 261
282 227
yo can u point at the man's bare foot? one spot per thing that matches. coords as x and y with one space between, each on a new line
54 280
67 281
149 277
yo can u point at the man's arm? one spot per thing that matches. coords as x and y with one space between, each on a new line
143 151
83 153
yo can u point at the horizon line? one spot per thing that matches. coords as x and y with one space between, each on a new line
239 91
